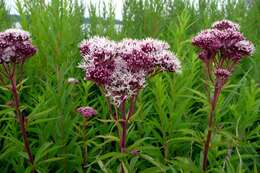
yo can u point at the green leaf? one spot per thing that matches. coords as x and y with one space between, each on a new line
153 161
102 166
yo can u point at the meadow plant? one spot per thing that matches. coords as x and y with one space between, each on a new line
86 112
15 48
121 70
222 46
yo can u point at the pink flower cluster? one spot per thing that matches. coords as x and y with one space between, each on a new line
122 68
15 46
225 40
87 112
223 46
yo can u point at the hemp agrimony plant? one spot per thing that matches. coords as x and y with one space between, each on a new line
15 48
222 48
121 70
86 112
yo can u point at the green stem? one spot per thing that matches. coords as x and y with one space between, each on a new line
85 146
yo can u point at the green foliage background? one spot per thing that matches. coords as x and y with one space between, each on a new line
170 123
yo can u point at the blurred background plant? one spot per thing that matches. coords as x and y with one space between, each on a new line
170 122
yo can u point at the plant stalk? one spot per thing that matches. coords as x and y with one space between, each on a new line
85 146
124 131
217 90
132 108
21 119
124 127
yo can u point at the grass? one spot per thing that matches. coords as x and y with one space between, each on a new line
171 117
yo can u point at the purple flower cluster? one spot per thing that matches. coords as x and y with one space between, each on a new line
222 73
222 47
15 46
98 54
225 40
87 112
225 24
122 68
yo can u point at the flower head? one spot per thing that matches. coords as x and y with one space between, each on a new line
222 73
223 39
244 48
148 55
125 83
225 24
150 45
208 40
122 68
87 112
15 46
98 59
162 58
167 61
135 57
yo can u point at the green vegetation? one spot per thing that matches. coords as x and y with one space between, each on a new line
169 126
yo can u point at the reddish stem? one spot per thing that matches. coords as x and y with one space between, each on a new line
217 90
207 86
124 127
21 70
132 107
209 72
20 117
